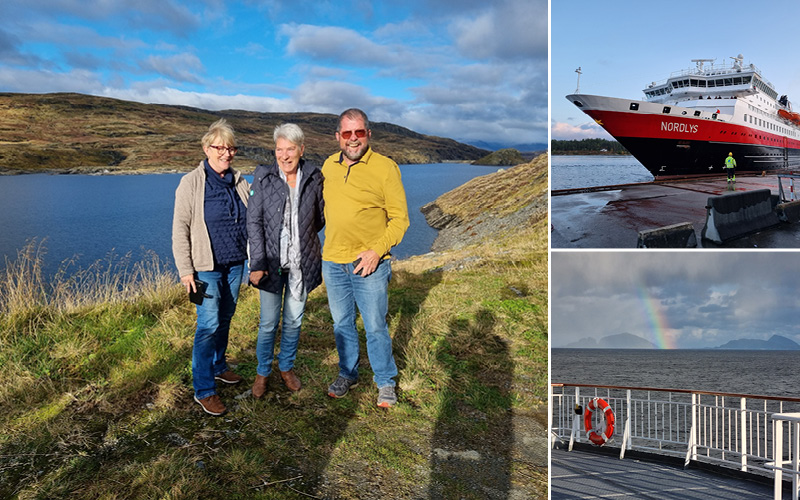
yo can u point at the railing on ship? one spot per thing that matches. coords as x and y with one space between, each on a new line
728 430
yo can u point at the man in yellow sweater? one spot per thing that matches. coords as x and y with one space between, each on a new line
366 215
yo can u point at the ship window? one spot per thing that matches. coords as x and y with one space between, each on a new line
720 82
714 116
702 83
711 83
746 79
728 82
696 113
737 81
666 110
634 106
693 82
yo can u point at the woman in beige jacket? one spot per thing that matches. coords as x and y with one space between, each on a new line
209 243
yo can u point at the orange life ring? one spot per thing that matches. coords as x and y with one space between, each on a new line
598 438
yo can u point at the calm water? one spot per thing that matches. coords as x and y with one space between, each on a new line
93 216
569 172
770 373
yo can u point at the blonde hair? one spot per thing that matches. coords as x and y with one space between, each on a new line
220 131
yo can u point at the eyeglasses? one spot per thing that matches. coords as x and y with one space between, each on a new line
360 133
221 149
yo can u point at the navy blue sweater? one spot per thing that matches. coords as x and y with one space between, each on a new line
226 218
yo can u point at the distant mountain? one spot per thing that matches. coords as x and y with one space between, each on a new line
494 146
79 133
775 343
618 341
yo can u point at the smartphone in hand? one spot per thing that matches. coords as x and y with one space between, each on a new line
355 264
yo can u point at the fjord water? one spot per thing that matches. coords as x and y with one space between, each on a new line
763 373
93 216
580 171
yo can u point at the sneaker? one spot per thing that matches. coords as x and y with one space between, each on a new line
386 396
341 386
228 377
212 405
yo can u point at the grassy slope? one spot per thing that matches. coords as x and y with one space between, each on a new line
100 402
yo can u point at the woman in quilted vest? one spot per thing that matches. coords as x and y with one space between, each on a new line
284 217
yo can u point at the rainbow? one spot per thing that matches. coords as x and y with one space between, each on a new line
659 329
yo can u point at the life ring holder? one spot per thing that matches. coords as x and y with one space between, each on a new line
599 436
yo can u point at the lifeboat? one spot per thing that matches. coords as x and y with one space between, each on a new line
792 117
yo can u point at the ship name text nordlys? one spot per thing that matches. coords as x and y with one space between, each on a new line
678 127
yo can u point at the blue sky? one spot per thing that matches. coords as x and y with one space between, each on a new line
469 70
622 46
701 299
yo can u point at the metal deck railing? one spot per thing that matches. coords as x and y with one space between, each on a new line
736 431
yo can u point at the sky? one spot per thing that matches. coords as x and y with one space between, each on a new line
690 299
622 46
469 70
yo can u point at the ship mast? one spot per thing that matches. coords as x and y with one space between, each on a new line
578 90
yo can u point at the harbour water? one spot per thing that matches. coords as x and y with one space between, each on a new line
767 373
92 217
569 172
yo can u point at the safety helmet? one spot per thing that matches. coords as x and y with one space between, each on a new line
730 154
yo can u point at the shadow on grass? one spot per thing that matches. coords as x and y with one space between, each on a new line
473 438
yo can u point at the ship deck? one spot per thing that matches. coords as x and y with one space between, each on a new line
612 216
589 475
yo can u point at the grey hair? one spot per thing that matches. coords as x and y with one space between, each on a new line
291 132
353 114
219 130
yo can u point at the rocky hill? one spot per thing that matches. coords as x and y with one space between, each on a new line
81 133
490 206
502 157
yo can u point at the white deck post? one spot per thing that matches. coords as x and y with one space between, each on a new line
743 427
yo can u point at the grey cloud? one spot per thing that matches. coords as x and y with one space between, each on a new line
511 30
181 67
161 15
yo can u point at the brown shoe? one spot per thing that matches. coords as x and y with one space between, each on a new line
212 405
228 377
260 386
291 380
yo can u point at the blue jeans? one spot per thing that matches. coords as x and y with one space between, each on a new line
371 294
213 324
293 310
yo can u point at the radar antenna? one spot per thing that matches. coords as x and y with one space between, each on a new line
737 62
700 62
578 90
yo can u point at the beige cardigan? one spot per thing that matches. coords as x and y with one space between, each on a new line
191 245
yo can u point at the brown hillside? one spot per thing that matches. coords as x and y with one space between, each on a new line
80 133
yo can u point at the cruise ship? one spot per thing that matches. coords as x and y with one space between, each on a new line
688 124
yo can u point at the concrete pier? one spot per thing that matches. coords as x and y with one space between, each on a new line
617 216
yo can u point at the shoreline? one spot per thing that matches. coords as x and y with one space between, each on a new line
247 170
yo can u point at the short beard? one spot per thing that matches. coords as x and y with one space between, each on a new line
358 154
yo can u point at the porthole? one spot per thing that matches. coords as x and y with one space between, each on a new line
634 106
666 110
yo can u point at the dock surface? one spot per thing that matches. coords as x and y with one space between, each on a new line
612 216
586 475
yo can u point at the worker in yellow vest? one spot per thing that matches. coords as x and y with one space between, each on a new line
730 167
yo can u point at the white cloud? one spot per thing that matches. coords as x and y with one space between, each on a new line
591 130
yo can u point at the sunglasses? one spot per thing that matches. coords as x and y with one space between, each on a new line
360 133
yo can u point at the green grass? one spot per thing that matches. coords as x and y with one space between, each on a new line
100 404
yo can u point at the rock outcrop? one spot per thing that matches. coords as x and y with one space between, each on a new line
490 206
